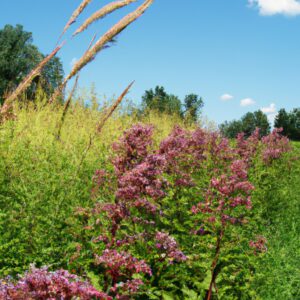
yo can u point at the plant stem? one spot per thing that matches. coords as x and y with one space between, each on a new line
215 262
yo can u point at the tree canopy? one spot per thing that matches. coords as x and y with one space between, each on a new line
289 122
18 56
247 124
158 99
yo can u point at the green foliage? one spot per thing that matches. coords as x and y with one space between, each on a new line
192 106
277 213
248 123
231 129
18 56
159 100
289 122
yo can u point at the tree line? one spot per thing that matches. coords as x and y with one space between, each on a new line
288 121
18 56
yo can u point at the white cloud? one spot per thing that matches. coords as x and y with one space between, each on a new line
271 109
271 117
73 61
226 97
247 102
273 7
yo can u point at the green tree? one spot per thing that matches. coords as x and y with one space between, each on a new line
158 99
262 122
18 56
231 129
295 124
192 106
282 120
289 122
247 124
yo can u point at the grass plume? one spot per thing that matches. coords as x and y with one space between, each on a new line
101 43
101 124
104 11
75 15
113 107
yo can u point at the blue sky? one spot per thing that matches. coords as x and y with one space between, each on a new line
247 51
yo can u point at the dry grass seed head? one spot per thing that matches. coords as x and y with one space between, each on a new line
100 44
106 38
108 9
75 14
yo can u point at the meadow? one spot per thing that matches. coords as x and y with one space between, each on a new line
112 202
151 207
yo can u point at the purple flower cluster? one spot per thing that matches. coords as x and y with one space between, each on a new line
132 148
124 290
259 245
119 264
40 284
183 151
275 145
230 190
168 247
247 148
142 180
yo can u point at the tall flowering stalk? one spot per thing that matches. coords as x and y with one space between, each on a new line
139 186
226 194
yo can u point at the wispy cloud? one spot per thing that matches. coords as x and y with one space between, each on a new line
247 102
73 61
226 97
271 117
271 109
274 7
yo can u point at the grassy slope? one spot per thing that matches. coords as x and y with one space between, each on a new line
278 275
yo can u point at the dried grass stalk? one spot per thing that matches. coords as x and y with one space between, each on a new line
101 43
28 79
75 15
108 9
59 89
101 124
113 108
66 107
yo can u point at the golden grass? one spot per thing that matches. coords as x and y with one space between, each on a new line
101 13
75 15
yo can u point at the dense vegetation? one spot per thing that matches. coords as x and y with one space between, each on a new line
147 212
